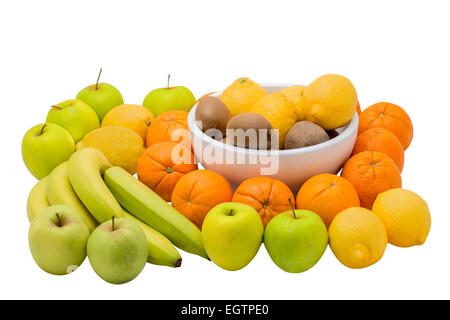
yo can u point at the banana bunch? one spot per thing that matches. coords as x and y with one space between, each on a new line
89 183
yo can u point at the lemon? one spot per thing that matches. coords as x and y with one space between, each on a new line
405 215
357 237
122 146
295 94
131 116
279 110
330 101
241 95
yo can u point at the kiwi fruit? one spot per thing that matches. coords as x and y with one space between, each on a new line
332 133
304 134
213 114
238 133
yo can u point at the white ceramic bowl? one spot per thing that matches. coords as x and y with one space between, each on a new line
293 167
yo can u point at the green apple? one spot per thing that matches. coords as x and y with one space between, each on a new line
44 147
101 97
58 238
75 116
296 240
169 98
117 250
232 234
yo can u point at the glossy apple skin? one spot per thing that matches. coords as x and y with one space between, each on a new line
75 116
296 244
232 234
101 99
118 255
44 152
165 99
58 249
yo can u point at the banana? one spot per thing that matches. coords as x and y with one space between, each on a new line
60 191
147 206
37 200
160 250
85 169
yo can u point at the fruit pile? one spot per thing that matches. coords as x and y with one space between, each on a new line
88 202
246 116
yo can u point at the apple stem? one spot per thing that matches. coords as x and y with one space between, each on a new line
42 129
292 207
57 107
59 220
168 80
231 212
98 78
113 223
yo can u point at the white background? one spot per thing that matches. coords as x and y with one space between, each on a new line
396 51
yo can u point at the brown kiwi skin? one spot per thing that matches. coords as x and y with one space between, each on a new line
244 122
213 114
332 133
304 134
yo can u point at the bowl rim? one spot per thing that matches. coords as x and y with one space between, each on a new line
352 126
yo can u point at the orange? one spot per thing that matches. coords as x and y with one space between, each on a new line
390 116
162 165
197 192
167 124
327 195
204 96
268 196
358 108
382 140
371 172
131 116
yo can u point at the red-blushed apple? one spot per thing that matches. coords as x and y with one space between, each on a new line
57 238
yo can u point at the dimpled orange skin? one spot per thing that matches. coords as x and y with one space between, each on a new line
165 124
327 194
371 173
382 140
268 196
158 171
389 116
197 192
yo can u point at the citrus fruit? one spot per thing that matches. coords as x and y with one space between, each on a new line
240 96
382 140
268 196
327 195
166 127
358 108
330 101
405 215
204 96
198 192
357 237
162 165
371 172
390 116
131 116
279 110
122 146
295 94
